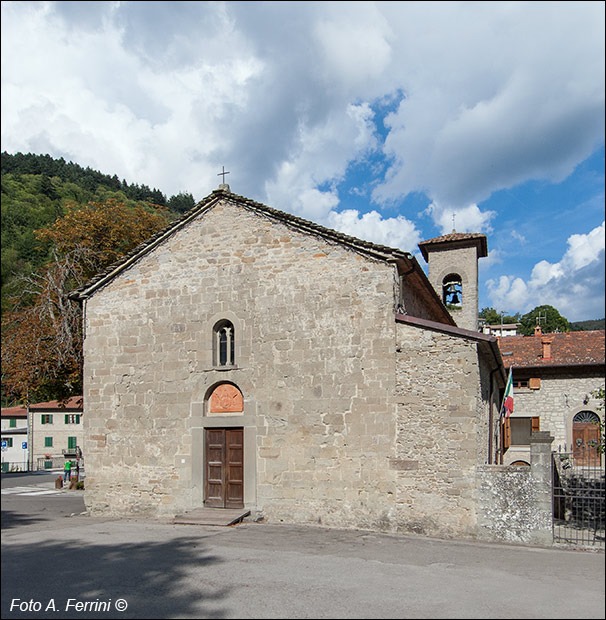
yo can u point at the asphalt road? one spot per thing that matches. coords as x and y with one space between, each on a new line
58 563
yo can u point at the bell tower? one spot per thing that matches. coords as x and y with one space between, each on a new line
453 272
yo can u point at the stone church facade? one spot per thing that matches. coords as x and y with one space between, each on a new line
248 358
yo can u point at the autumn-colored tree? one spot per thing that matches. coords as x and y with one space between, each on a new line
103 232
41 338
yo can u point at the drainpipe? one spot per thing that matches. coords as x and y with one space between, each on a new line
491 416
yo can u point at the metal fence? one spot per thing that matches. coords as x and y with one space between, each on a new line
578 498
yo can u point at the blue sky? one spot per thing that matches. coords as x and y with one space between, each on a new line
378 119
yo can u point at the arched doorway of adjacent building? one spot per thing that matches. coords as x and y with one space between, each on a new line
585 438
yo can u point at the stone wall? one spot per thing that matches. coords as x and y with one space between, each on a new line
349 419
515 502
442 435
315 330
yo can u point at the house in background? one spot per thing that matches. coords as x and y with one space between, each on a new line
55 432
503 329
14 439
554 376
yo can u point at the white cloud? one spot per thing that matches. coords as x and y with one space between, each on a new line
494 257
395 232
466 219
494 93
483 96
505 95
574 285
321 155
518 236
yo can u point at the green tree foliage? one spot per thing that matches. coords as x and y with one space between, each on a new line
547 317
41 337
36 190
181 202
600 394
86 178
493 317
587 326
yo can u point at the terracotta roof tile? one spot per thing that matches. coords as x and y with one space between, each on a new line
567 349
73 403
14 412
457 239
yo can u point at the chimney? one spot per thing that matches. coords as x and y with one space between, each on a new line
537 330
546 346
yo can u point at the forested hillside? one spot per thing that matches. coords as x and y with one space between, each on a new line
61 224
587 326
36 190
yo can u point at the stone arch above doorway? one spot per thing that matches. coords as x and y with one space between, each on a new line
225 398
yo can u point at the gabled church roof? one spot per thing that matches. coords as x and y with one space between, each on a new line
374 250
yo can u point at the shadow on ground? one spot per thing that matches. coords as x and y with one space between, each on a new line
150 577
12 518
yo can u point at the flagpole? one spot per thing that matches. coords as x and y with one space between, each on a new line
507 399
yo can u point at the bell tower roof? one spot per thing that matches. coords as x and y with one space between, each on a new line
455 240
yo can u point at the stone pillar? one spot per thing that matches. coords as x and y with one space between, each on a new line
540 467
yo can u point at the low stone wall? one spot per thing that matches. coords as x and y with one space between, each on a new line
514 502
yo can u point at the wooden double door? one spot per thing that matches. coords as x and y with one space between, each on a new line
586 438
224 467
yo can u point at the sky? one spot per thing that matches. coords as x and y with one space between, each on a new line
394 122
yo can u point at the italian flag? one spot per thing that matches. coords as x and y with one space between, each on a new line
508 397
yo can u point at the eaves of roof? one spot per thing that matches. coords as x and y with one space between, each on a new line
73 404
14 412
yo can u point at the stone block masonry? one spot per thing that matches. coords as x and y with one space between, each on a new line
350 419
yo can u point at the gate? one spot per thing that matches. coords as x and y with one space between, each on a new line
578 498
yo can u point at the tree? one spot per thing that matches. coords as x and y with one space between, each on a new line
600 394
41 337
41 342
549 319
103 232
493 317
181 202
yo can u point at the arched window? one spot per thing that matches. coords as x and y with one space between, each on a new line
452 290
586 416
223 344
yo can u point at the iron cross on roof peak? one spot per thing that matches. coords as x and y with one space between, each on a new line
223 173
